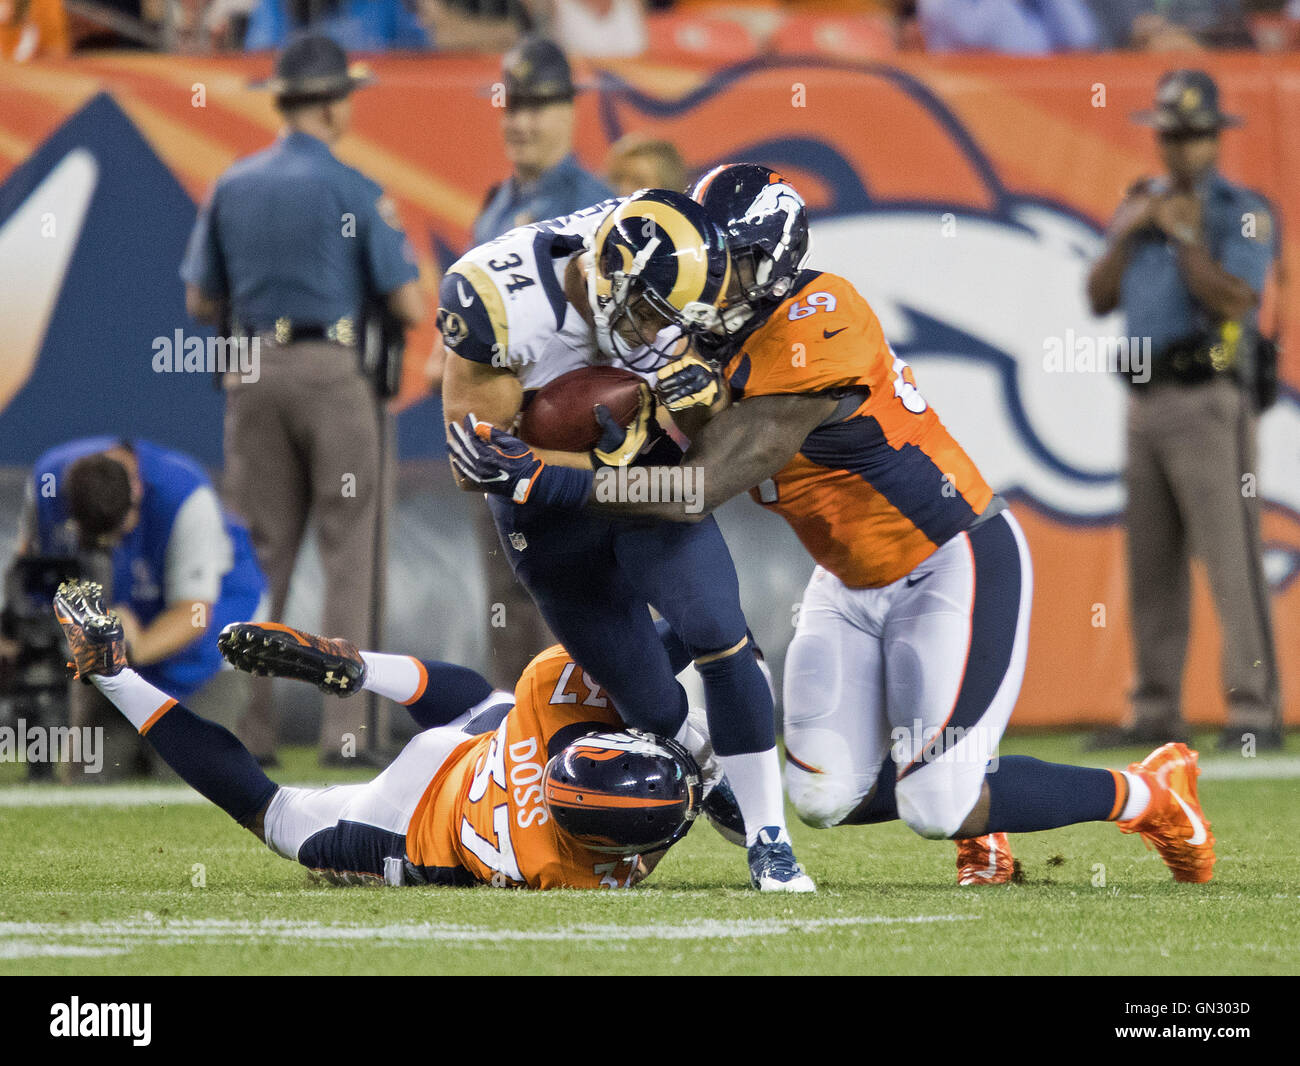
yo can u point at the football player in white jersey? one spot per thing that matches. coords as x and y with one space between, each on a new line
624 283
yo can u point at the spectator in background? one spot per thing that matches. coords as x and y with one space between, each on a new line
33 29
1014 27
604 28
226 22
545 182
475 25
641 162
1171 25
177 570
537 123
1186 259
359 25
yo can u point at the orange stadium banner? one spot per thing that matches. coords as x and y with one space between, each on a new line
965 197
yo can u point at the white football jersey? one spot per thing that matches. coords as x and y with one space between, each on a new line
503 302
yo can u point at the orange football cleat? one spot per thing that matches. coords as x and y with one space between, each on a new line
1173 822
985 860
94 634
270 649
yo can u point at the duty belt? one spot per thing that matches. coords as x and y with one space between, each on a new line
1194 361
286 331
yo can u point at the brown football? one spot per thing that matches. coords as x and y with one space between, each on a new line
561 415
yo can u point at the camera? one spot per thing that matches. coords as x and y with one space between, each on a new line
34 684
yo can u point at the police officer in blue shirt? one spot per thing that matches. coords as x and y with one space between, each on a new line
291 250
1186 260
545 182
179 569
537 124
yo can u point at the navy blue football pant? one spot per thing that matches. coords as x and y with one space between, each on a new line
594 580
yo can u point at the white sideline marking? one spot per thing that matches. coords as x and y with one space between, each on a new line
1262 768
92 795
97 795
128 933
21 949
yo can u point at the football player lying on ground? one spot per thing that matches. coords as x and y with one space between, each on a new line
541 788
912 636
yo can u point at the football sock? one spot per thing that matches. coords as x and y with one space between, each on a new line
743 732
208 757
1139 795
755 778
741 718
1026 795
434 692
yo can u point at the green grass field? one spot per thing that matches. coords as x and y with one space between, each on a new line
177 888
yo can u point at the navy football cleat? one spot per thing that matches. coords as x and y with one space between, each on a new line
269 648
772 865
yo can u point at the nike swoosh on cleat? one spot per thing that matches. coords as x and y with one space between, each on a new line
1198 829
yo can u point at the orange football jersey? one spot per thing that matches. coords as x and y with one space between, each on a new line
483 811
879 486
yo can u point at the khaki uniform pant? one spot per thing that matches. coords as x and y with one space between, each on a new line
1190 448
310 440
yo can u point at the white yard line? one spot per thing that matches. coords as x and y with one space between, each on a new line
22 949
132 932
1264 768
92 795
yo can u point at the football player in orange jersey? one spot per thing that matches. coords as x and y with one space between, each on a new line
911 640
539 788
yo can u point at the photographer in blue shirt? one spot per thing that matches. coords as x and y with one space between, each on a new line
177 569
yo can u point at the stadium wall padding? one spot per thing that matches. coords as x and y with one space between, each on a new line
965 196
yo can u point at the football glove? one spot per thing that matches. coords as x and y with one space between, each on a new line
496 462
689 382
619 446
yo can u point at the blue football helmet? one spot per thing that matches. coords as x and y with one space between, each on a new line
765 223
624 793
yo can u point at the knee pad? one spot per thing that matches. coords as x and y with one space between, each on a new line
933 801
820 780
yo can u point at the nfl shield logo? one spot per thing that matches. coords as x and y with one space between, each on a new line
518 541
